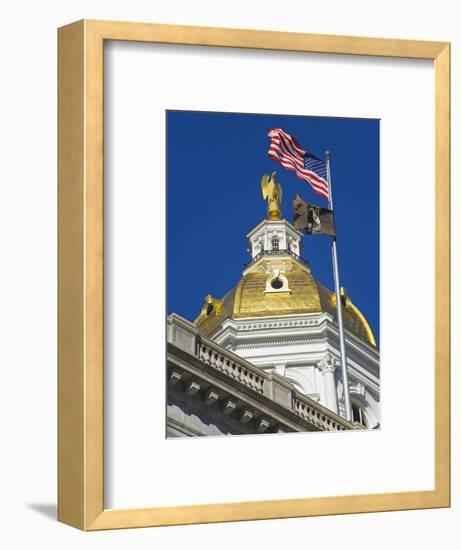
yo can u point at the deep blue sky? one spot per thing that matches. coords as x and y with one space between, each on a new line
214 166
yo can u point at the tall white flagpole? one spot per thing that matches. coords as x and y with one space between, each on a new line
342 343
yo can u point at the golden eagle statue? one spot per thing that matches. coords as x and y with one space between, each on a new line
272 191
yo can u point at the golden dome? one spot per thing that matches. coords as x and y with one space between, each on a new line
297 293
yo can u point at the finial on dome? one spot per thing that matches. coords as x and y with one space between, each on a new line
272 191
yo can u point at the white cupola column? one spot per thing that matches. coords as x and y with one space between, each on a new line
327 367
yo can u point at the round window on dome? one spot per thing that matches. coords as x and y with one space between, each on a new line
209 309
276 284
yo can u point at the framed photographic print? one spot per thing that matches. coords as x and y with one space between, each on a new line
253 275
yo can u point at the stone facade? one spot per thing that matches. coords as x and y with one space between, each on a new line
212 391
304 348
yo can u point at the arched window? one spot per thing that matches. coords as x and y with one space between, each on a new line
358 415
275 243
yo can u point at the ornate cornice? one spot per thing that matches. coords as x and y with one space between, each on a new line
278 343
290 323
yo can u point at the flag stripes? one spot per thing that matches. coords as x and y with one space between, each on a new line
285 150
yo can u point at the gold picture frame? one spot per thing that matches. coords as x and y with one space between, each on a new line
81 267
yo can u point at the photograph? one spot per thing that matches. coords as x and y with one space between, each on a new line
273 273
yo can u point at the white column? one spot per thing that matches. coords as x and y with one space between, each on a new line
284 241
327 367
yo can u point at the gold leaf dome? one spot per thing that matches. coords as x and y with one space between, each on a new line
300 293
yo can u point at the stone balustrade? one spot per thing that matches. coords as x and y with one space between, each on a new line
323 420
242 371
186 336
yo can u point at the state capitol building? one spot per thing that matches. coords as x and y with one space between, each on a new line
264 358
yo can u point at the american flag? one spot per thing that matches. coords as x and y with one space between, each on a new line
287 151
